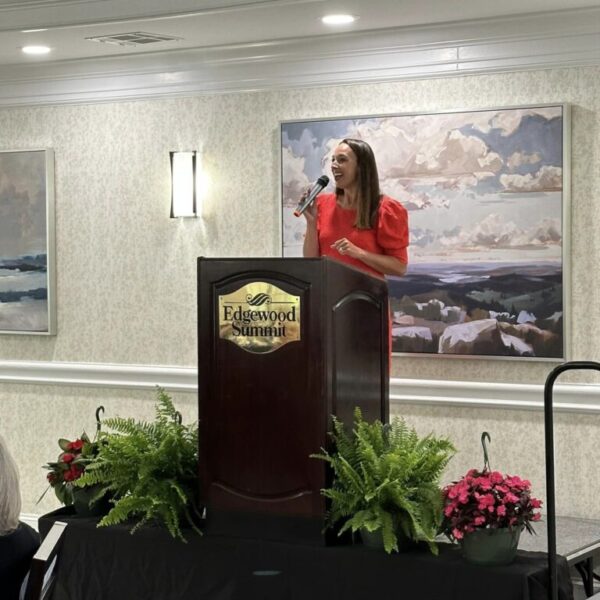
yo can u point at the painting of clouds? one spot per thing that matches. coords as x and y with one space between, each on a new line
24 216
484 194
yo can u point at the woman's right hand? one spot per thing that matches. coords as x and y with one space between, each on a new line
310 213
310 247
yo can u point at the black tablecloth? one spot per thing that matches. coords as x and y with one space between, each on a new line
111 564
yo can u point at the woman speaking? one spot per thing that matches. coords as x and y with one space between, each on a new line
358 225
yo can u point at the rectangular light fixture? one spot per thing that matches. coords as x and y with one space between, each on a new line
184 196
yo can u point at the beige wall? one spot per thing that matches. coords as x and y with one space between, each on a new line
126 272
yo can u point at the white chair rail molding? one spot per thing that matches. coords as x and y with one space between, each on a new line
576 398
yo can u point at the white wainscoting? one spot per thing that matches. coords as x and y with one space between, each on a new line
581 398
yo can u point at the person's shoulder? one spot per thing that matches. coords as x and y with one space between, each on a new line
390 207
27 534
24 536
28 530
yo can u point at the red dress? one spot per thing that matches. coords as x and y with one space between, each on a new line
389 236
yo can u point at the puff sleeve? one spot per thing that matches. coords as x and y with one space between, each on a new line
392 229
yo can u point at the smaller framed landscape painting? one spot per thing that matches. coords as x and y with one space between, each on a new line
27 242
487 195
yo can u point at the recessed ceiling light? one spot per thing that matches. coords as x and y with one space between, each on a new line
338 19
32 30
35 49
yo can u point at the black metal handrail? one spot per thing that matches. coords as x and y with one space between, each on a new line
549 441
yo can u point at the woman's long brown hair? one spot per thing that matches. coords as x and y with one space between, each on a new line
369 195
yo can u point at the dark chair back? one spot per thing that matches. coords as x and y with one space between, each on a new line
43 566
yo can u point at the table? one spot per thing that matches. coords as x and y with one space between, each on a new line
110 563
578 540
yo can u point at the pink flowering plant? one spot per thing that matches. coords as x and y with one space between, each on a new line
488 500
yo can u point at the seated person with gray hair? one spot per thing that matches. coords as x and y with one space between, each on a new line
18 541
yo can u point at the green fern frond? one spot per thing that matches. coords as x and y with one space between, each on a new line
150 468
386 477
388 530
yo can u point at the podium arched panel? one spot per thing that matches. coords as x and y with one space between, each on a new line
360 342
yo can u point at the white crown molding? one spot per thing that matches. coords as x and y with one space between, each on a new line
578 398
559 39
21 14
19 5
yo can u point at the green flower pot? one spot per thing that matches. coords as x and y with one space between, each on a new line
374 540
81 502
491 546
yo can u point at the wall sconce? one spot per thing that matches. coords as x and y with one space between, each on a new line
184 184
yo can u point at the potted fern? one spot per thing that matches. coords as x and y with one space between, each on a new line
149 469
385 482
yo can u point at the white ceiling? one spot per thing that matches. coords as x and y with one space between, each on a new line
203 23
248 44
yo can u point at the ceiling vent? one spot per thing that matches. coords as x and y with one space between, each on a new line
137 38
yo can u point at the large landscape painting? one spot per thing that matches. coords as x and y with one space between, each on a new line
25 225
485 195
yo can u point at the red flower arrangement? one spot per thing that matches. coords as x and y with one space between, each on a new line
488 500
69 466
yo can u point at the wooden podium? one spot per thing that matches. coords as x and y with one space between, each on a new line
283 344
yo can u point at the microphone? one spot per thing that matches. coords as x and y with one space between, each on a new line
314 192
